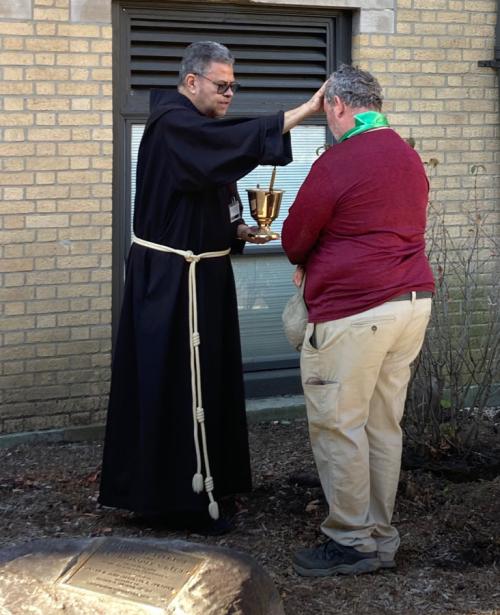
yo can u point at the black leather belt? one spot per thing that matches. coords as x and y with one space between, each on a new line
420 294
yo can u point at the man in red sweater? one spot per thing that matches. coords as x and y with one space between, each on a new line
357 229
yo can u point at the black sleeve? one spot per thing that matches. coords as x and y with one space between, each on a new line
204 151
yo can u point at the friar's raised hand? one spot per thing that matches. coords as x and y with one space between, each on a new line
316 101
312 106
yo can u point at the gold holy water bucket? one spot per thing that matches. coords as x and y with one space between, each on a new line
264 208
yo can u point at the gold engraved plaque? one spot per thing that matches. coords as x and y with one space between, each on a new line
134 571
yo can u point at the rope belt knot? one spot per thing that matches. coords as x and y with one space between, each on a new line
192 258
199 483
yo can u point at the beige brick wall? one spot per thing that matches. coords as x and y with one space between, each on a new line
55 248
56 163
438 95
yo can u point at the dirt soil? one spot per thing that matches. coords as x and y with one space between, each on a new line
448 563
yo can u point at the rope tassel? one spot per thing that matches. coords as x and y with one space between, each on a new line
198 483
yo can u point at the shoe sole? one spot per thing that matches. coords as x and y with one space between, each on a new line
362 567
388 564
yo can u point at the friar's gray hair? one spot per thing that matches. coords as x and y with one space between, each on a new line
355 87
198 57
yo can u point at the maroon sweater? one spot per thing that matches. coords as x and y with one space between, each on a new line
358 226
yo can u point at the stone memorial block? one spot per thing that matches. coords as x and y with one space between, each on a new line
132 576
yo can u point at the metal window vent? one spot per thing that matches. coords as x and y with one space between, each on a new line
280 57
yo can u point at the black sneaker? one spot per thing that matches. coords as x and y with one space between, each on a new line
333 558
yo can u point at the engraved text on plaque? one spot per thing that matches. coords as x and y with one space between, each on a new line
133 571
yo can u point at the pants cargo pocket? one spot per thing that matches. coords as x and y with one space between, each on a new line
322 401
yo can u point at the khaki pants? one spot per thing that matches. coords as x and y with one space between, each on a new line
355 376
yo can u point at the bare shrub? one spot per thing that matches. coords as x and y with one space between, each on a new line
459 365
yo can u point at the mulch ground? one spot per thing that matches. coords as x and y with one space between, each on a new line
448 563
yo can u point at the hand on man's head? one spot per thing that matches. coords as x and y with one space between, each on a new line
316 100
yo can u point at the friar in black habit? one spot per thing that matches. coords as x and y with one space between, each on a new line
176 435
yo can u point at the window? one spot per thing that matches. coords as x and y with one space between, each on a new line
282 56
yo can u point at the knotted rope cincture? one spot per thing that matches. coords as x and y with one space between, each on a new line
194 337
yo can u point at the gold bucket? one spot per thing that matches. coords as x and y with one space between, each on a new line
265 208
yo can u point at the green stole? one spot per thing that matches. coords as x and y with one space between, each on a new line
368 120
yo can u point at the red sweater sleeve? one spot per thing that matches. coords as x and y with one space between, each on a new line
309 214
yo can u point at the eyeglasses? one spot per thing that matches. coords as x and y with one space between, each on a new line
223 86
